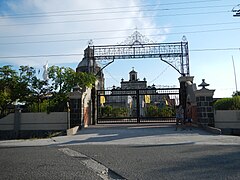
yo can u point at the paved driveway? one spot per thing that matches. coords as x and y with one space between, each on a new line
154 151
143 134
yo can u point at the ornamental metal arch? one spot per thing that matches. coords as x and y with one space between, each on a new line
175 54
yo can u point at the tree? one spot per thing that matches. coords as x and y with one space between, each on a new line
4 101
63 79
25 86
8 81
16 86
38 89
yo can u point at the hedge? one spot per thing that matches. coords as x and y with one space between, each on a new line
228 103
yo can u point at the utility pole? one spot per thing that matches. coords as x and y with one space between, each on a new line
235 75
236 10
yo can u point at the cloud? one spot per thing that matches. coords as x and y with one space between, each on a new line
85 21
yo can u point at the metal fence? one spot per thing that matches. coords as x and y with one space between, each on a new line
137 106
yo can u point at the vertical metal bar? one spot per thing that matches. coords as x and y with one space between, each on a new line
98 106
182 64
134 52
187 58
79 113
93 59
138 106
93 94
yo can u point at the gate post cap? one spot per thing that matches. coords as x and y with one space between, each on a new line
203 84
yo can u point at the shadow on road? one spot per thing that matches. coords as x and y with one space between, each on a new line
108 133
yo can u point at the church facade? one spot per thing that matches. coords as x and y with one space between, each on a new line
133 82
134 96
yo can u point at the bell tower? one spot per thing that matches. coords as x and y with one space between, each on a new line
133 75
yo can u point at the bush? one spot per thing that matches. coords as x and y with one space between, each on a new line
109 111
106 111
167 112
155 111
152 111
119 112
228 103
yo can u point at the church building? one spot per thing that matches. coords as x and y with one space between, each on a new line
134 82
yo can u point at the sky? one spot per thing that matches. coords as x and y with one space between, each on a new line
33 28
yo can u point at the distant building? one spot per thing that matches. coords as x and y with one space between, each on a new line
134 82
125 96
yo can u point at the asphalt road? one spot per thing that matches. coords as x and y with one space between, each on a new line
131 152
131 162
168 162
29 163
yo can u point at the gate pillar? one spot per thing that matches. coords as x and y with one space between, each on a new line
183 95
94 105
204 98
75 99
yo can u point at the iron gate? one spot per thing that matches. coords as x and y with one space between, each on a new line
137 106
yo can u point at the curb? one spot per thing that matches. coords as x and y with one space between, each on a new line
212 130
72 131
209 129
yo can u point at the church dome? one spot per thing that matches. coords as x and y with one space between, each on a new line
84 63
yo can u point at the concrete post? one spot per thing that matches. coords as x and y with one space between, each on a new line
17 121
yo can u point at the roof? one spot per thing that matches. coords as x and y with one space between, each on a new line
133 71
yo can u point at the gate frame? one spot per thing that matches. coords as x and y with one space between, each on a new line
138 118
176 55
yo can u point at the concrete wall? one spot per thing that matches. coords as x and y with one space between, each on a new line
36 121
7 123
227 119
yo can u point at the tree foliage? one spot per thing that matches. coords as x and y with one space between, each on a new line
63 79
24 85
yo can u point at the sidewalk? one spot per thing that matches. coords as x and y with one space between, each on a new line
136 134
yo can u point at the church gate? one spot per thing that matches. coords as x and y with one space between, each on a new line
150 105
175 54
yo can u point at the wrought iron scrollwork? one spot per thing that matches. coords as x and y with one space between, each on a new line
175 54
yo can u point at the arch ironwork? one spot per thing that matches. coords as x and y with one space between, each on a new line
175 54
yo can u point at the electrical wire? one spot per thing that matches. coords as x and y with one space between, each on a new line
117 81
108 19
115 30
159 75
215 49
117 12
109 38
111 8
39 56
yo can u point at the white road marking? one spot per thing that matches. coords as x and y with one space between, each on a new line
101 170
